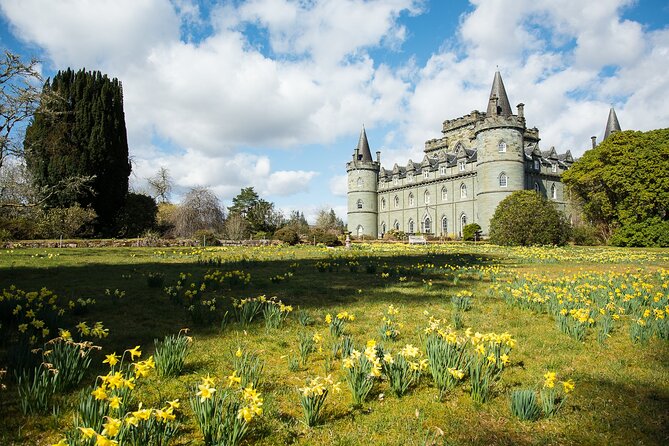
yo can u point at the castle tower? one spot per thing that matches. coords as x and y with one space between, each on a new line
500 153
612 124
363 175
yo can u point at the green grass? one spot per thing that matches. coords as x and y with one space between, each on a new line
622 388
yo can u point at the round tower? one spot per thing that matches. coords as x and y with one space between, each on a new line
363 175
500 157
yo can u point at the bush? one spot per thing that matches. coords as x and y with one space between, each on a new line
287 235
67 222
651 232
394 234
528 218
585 235
208 237
137 215
324 237
470 230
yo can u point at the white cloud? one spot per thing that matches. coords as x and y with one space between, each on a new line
339 185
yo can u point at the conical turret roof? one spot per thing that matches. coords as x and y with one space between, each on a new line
612 125
363 147
498 91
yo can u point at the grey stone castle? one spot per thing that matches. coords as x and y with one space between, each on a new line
480 159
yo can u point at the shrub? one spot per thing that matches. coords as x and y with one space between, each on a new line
394 234
651 232
527 218
469 232
67 222
137 215
324 237
585 235
287 235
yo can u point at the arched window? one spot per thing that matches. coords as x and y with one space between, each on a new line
503 180
427 225
426 195
396 225
426 174
444 225
536 187
463 222
463 190
359 204
360 183
501 147
554 192
383 228
396 180
383 204
411 226
444 194
411 199
397 201
361 231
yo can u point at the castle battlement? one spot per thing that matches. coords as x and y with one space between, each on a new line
454 124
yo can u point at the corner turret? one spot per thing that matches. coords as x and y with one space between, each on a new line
363 176
612 124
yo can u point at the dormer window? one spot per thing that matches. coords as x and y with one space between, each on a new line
554 167
537 165
442 170
409 177
463 165
426 174
501 147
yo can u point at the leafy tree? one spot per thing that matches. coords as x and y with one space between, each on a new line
328 221
528 218
137 216
82 134
287 234
260 215
74 221
244 202
470 230
624 187
199 210
161 185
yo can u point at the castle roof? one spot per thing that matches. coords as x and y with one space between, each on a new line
364 154
612 125
498 96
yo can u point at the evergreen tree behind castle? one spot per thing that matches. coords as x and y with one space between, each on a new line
79 131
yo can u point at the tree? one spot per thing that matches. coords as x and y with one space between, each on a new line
298 223
328 221
528 218
137 215
161 185
199 210
471 232
244 202
19 96
260 214
623 186
82 134
235 227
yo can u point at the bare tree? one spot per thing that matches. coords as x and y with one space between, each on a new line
236 227
199 209
19 98
161 185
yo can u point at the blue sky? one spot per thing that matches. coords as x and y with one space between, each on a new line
273 93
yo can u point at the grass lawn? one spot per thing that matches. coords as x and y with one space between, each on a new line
617 356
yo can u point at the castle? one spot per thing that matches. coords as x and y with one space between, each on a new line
480 160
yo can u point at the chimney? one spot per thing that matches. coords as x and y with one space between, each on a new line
492 106
594 141
521 110
378 157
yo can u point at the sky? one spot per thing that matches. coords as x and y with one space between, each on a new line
273 93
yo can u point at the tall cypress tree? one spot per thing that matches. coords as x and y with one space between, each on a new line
78 131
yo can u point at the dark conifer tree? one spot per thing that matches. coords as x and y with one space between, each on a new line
79 131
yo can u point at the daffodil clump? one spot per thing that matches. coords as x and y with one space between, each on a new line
554 393
248 366
446 353
361 368
486 362
275 312
390 328
338 322
313 395
171 352
403 370
225 414
227 279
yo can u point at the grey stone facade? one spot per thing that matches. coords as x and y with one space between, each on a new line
479 160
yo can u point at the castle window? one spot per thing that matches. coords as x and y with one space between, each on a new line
462 165
463 222
361 231
426 225
444 194
503 180
463 191
360 183
427 197
554 192
537 165
502 147
396 180
554 168
426 174
396 225
536 187
359 204
409 177
411 226
411 203
383 228
444 225
442 170
383 204
397 201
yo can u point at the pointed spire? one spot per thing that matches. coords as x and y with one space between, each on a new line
612 124
498 98
364 154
